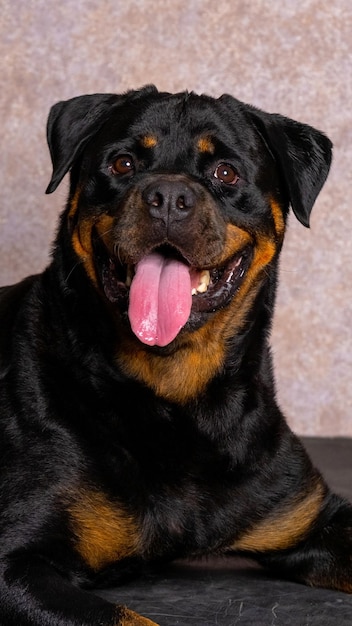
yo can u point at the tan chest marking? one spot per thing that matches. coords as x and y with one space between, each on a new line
104 531
180 375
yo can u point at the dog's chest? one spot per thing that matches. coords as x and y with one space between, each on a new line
169 521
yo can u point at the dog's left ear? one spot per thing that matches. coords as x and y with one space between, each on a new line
71 124
303 155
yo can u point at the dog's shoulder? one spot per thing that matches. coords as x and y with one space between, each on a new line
11 303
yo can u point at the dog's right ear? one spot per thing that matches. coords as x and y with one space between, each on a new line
71 124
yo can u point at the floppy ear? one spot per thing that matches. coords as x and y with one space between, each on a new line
303 155
70 125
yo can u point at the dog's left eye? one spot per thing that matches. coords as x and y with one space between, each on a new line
123 165
226 174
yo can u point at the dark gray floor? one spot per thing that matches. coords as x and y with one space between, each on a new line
229 591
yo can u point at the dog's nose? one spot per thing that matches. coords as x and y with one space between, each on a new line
169 199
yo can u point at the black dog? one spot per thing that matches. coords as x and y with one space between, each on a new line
138 411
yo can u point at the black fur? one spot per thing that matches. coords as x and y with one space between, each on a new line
116 454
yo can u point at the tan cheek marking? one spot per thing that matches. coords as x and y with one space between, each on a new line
104 228
82 245
278 218
104 531
205 144
285 528
236 239
149 141
81 237
264 253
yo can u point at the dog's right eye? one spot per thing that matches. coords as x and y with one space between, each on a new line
226 174
123 165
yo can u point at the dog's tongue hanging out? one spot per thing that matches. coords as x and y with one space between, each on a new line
160 299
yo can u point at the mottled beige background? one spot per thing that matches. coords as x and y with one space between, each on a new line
290 57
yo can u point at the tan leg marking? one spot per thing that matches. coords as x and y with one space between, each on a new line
130 618
105 532
285 528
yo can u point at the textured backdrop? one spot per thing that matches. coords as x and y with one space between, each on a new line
288 57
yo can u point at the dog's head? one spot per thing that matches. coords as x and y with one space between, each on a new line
177 210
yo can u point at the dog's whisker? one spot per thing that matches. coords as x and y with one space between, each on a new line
117 253
80 262
104 233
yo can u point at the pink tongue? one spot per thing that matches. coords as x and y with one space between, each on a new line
160 299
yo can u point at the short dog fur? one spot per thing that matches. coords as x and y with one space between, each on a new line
137 401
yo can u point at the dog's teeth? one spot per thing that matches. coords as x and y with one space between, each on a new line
204 280
129 276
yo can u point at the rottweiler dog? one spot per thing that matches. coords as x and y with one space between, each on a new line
138 415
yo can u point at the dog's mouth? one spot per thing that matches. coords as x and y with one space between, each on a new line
163 290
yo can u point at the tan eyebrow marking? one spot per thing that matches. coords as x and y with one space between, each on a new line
205 144
149 141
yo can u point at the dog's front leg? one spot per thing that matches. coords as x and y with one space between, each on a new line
297 526
32 592
324 557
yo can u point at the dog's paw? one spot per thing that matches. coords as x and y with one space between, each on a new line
130 618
